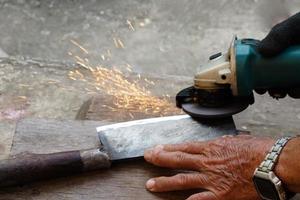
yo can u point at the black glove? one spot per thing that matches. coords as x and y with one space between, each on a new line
283 35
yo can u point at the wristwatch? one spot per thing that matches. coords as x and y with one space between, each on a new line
267 184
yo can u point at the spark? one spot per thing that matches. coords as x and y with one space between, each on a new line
118 43
131 115
121 43
130 25
129 95
142 24
72 78
22 97
149 82
24 85
80 46
52 81
129 69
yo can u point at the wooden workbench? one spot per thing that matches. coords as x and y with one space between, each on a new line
125 180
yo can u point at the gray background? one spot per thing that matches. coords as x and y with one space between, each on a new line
177 36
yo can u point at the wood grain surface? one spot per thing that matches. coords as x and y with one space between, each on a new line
122 181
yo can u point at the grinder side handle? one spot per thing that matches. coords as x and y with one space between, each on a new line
27 167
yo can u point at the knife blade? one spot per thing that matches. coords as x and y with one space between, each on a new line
129 140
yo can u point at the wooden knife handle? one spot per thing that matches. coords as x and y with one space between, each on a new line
27 167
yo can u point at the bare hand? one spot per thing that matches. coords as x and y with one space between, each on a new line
222 167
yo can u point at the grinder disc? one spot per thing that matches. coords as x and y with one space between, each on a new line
198 111
201 104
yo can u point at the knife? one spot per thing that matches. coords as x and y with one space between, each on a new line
117 142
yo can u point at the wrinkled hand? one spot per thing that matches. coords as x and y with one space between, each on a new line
222 167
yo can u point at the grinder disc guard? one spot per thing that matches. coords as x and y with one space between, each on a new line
204 104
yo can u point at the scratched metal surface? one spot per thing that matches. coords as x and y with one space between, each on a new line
130 139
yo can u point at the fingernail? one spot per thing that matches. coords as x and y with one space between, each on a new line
151 152
158 148
148 154
150 184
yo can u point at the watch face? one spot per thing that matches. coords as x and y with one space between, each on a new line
266 188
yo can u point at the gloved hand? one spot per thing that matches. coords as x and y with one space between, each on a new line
283 35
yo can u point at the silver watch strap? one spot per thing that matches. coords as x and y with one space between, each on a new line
272 157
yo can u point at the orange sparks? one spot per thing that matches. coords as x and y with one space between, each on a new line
127 94
118 43
79 46
130 25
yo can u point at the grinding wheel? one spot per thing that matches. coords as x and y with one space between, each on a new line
225 105
198 111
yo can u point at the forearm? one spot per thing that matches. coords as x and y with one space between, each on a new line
288 166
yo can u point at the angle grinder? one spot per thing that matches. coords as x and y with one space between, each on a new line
225 85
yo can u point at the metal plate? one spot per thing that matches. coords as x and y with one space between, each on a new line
130 139
198 111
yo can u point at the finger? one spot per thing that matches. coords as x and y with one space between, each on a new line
187 147
177 182
199 147
174 160
203 196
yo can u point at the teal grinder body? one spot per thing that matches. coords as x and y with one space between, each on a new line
279 74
